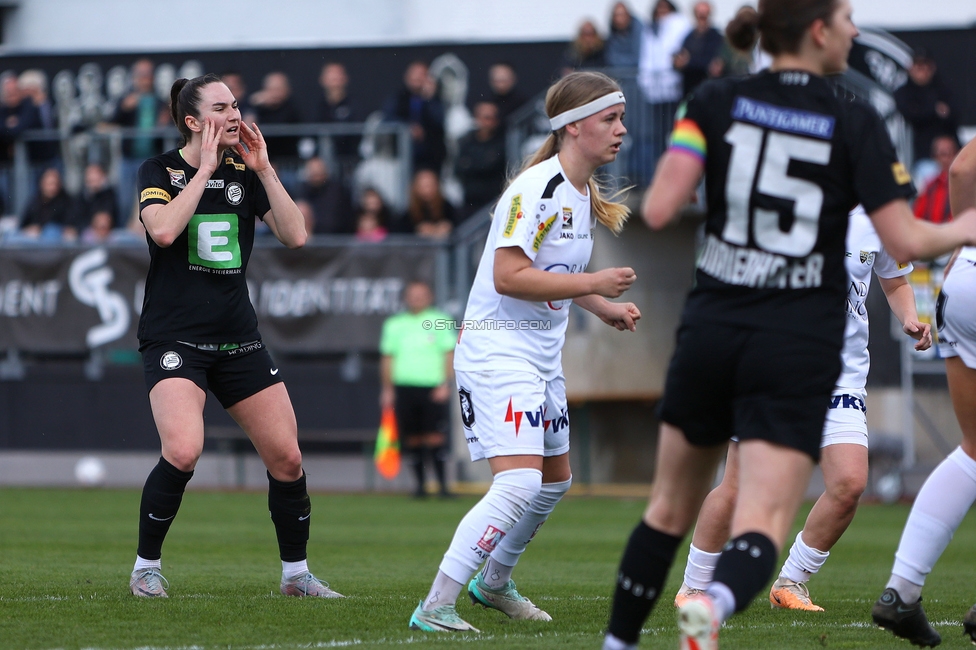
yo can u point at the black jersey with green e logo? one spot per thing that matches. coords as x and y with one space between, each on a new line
196 289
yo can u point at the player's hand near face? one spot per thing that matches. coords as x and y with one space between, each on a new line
252 148
210 147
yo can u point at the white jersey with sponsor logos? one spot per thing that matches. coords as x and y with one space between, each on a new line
544 215
864 252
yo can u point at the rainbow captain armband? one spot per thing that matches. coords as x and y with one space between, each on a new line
688 138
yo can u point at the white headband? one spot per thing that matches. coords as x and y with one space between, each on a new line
594 107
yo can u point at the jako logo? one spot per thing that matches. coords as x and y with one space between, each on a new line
89 278
534 418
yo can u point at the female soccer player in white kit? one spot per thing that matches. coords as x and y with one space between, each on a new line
844 446
508 358
950 489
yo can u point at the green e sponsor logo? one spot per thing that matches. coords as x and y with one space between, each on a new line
214 241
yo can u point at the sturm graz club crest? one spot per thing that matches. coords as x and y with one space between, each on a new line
234 193
171 361
467 409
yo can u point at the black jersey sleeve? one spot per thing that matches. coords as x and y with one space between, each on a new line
154 184
879 177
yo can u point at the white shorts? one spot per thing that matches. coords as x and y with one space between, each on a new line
508 413
846 421
956 313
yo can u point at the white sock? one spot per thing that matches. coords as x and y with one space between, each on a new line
803 561
143 563
700 567
495 574
909 591
444 591
723 598
512 546
487 523
610 642
939 508
289 569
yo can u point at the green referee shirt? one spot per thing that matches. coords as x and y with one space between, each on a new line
417 344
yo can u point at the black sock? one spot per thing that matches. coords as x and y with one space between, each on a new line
440 467
643 570
291 510
745 566
417 462
161 498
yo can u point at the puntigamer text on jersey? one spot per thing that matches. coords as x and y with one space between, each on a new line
749 267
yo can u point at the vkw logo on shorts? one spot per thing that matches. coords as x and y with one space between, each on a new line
467 408
170 361
234 193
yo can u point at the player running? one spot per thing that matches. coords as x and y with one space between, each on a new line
758 348
844 447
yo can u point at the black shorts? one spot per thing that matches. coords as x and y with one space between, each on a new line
230 373
728 381
417 413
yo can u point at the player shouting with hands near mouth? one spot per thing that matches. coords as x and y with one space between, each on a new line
508 358
198 330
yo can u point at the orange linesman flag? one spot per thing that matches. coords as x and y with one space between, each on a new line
387 455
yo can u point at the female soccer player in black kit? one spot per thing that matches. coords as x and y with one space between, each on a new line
198 330
758 348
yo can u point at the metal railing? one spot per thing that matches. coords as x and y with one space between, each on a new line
384 151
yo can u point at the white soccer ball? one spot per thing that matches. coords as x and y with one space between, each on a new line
90 471
889 487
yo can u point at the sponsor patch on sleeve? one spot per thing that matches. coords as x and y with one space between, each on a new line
902 177
154 193
544 229
514 214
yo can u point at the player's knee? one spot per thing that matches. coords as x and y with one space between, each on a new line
847 490
517 488
287 466
551 493
183 457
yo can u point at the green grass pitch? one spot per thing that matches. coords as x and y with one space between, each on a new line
65 557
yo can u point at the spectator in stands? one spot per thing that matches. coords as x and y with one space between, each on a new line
142 109
33 84
932 203
926 103
273 105
369 228
700 55
15 114
416 377
48 217
235 83
373 209
417 104
504 91
586 50
740 43
480 163
336 107
659 82
429 214
623 45
324 201
97 208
